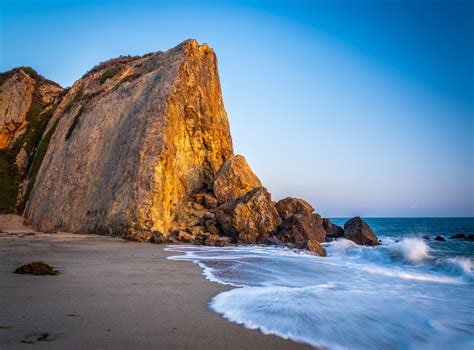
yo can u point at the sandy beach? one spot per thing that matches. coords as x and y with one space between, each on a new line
110 294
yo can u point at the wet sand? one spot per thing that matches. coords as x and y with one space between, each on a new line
111 294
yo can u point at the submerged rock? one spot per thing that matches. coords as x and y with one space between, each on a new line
470 238
458 236
440 238
332 230
234 179
249 217
135 137
358 231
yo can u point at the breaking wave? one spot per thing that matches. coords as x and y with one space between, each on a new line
402 294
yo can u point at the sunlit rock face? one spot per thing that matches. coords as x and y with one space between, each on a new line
19 90
134 138
234 179
26 103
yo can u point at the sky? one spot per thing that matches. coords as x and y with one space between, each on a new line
360 107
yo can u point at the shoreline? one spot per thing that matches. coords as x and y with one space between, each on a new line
112 293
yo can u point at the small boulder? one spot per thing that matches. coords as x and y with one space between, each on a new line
291 206
185 237
145 236
440 238
249 217
332 230
217 241
458 236
358 231
196 230
38 268
234 179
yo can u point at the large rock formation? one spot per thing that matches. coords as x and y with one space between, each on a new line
135 137
140 147
26 100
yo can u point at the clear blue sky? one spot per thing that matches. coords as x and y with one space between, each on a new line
361 107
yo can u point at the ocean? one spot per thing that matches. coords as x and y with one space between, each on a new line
408 293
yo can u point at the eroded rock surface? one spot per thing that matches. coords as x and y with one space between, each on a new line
290 206
358 231
249 217
135 137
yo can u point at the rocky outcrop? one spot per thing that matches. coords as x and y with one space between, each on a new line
26 102
249 217
234 179
358 231
135 137
21 88
332 230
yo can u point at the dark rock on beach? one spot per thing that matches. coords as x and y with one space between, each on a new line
332 230
358 231
300 228
38 268
304 232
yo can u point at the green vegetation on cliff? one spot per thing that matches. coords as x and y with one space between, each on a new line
35 166
9 175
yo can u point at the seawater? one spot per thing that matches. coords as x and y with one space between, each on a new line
408 293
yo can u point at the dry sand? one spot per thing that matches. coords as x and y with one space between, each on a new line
111 294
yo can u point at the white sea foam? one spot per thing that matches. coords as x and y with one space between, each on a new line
398 295
414 250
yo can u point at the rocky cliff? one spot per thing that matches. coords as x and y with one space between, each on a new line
140 147
26 103
134 138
